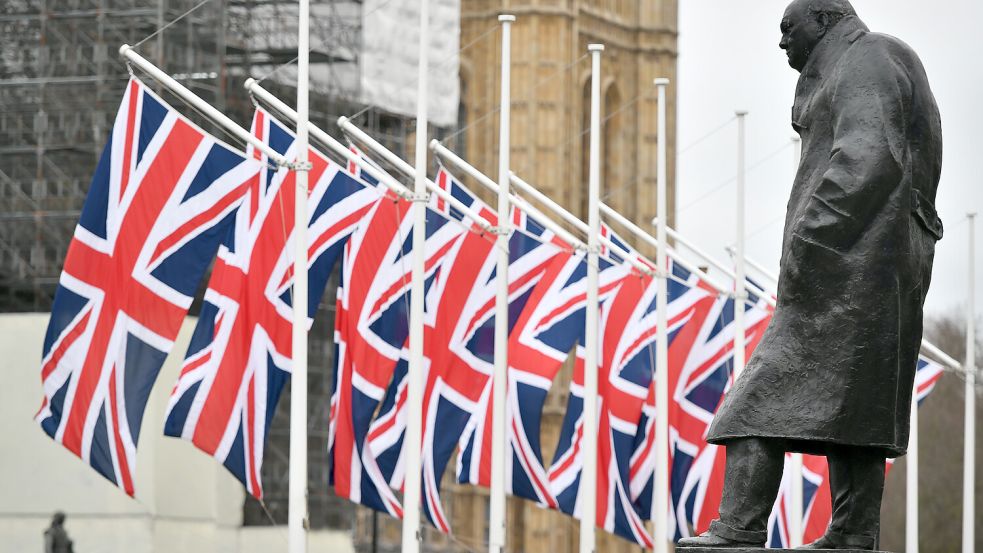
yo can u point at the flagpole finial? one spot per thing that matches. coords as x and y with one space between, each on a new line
506 17
595 47
661 81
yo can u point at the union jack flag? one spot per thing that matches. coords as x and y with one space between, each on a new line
240 354
700 370
627 369
371 329
536 263
548 329
460 345
162 198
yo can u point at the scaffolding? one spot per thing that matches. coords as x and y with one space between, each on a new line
61 81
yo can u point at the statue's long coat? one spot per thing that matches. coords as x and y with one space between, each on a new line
837 363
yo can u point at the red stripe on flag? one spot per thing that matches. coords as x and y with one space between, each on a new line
131 116
124 467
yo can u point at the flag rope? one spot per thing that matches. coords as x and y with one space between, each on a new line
233 140
171 22
699 140
718 187
535 86
583 132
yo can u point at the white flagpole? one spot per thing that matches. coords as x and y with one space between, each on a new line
911 481
297 487
496 515
740 293
794 505
969 442
127 53
588 476
414 387
661 504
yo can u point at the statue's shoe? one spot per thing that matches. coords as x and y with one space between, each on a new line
709 539
832 540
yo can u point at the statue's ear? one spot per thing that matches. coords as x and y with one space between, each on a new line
823 20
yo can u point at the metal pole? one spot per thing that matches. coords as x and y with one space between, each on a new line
400 165
740 294
794 504
297 488
206 109
336 147
911 482
969 447
588 477
414 388
661 503
517 201
674 255
496 515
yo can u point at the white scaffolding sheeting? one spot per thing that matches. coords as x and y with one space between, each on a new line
390 53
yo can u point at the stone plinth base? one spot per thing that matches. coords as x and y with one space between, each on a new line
761 550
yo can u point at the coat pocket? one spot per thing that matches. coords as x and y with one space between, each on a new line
925 213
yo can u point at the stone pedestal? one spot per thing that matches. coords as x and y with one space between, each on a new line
762 550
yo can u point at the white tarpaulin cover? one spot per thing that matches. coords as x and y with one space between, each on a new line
390 42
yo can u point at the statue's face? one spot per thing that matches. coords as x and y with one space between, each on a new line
801 32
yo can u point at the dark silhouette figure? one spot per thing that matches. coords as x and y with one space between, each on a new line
56 539
834 371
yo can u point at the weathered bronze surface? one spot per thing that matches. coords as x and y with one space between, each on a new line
762 550
835 368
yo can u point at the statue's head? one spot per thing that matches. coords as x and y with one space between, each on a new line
805 23
58 519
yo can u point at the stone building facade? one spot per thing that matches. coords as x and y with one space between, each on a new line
550 115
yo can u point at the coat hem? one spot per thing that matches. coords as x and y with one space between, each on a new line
811 445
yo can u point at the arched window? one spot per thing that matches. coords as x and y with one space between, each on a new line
614 171
616 188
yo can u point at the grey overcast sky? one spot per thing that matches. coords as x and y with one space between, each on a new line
729 59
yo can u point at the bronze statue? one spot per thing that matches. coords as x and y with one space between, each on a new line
833 374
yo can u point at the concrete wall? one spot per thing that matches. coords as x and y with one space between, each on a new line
185 500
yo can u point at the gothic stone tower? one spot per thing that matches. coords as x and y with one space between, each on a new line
550 115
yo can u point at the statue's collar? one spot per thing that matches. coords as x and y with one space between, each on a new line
829 49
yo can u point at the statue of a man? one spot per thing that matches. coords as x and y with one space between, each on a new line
833 374
56 539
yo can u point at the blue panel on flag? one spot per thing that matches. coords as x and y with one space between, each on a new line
151 116
236 459
66 307
218 161
531 399
204 332
708 394
280 138
183 272
569 332
174 425
143 362
100 455
50 424
93 218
